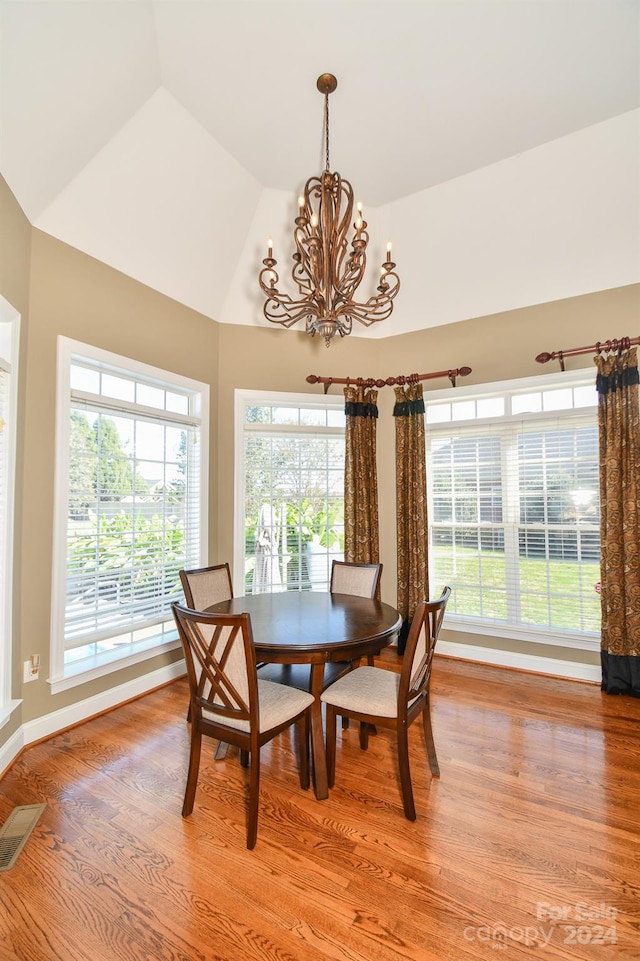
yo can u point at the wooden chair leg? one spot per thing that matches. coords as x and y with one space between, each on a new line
244 758
354 665
372 727
302 741
192 776
364 735
434 767
189 714
254 797
405 773
330 741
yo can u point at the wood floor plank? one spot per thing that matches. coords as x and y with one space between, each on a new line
528 842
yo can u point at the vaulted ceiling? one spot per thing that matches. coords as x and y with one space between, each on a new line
169 138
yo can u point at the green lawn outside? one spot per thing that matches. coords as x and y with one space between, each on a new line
552 594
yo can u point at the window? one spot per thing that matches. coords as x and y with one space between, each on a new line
513 507
9 343
130 508
289 490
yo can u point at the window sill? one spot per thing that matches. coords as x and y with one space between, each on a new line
7 710
467 625
106 664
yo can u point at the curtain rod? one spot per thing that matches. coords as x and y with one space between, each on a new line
602 346
390 381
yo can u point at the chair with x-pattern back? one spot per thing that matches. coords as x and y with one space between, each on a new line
373 695
231 703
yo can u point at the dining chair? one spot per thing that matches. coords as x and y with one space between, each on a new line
231 703
360 579
373 695
203 587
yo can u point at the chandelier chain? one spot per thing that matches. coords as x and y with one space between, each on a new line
326 131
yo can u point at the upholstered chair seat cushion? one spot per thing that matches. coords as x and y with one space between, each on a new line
367 690
277 703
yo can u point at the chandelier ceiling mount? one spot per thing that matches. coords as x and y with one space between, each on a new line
328 267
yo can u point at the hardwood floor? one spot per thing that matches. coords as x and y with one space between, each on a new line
529 842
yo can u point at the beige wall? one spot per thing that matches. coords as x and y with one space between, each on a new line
59 290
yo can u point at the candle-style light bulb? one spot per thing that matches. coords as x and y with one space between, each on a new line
359 217
269 247
314 220
389 250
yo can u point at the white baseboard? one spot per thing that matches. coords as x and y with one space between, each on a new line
50 724
522 662
10 750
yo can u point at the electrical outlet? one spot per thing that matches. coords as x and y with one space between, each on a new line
31 669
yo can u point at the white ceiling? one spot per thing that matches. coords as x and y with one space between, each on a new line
162 136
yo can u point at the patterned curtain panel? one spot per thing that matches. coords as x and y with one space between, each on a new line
361 536
411 504
619 439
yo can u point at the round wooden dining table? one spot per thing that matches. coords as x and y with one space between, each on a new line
315 628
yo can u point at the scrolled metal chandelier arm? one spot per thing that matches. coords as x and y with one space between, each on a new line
279 307
328 267
380 305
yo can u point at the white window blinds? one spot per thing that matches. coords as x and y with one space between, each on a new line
292 492
133 503
514 509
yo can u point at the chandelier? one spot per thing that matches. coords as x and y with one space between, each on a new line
327 267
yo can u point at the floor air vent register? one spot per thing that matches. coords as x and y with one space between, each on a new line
15 832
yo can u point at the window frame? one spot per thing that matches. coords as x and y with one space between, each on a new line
579 416
244 398
64 676
9 360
